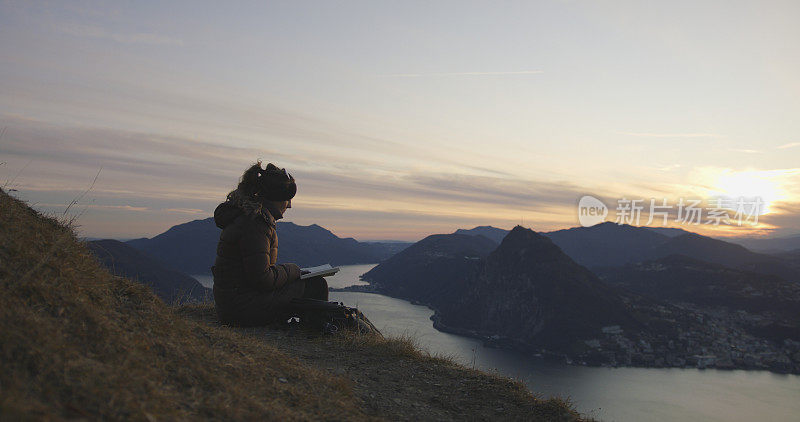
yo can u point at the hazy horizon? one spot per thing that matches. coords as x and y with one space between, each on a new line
413 240
399 120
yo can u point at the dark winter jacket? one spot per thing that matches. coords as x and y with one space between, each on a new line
249 286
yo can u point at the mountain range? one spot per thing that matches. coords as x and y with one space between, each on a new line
611 245
771 245
649 307
191 247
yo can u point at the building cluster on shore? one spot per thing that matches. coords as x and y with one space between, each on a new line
709 339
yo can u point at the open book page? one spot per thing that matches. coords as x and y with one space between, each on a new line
323 270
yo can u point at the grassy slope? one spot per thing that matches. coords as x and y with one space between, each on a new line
76 341
393 379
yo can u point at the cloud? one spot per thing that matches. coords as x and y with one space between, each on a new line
498 192
418 75
55 148
169 166
784 217
95 206
789 145
672 135
172 178
434 192
185 210
142 38
747 151
667 167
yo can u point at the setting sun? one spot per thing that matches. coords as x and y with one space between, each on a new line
749 185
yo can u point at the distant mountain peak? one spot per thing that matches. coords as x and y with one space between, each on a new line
697 240
607 244
490 232
525 245
522 234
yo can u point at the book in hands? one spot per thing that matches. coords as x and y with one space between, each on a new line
321 270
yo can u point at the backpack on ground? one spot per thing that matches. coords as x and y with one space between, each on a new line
331 317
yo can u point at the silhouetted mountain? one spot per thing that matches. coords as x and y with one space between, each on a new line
170 285
315 245
601 245
191 247
791 258
728 254
612 245
793 254
678 278
667 231
528 290
433 269
387 249
770 245
607 244
489 232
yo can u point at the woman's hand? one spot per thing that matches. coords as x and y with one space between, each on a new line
292 270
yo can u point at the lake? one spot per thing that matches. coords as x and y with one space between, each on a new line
612 394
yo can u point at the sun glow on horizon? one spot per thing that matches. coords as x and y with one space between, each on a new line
768 186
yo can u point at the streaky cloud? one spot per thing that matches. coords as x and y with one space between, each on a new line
96 206
509 73
185 210
143 38
672 135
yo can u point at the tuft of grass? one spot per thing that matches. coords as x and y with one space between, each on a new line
405 346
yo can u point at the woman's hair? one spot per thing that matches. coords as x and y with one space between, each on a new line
248 183
271 183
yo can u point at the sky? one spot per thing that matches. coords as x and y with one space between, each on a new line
401 119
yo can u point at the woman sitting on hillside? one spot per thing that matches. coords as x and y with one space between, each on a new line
250 288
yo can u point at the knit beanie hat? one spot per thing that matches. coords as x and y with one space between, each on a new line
275 184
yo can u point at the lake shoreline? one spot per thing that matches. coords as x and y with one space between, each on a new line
497 342
622 393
